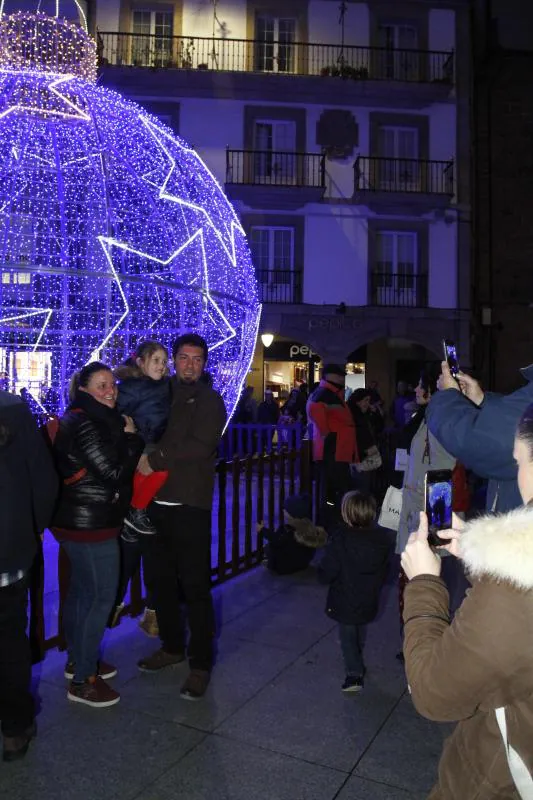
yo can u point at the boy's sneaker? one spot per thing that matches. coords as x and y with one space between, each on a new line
160 660
128 535
105 671
139 520
94 692
352 685
148 623
196 684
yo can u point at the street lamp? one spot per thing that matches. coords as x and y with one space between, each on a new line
267 339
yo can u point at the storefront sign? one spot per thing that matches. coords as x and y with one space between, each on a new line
334 323
290 351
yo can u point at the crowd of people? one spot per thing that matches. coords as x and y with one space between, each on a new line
129 475
467 605
148 442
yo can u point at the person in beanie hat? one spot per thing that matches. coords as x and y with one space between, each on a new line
292 546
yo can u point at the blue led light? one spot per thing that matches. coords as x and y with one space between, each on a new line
111 228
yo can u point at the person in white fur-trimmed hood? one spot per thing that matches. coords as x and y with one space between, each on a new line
478 670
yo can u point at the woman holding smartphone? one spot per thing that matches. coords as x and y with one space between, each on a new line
478 669
425 454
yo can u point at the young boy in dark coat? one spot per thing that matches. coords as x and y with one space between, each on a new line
292 546
355 566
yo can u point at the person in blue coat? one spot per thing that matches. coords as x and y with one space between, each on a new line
478 428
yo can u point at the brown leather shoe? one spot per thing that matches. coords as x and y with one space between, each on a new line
196 684
160 660
16 747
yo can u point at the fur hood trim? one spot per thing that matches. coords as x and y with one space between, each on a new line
125 371
306 532
501 547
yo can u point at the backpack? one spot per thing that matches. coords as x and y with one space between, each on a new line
50 429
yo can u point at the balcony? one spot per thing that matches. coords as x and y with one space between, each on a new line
407 290
342 70
261 178
400 182
279 286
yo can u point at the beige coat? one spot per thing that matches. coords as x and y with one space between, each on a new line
483 660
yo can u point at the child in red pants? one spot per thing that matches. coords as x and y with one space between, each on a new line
144 394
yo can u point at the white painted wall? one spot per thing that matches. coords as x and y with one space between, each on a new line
335 256
198 18
442 292
441 29
323 23
107 15
209 126
442 131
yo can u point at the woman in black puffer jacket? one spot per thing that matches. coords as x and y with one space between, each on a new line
96 452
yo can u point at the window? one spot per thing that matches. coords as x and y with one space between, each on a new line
275 145
400 59
396 268
152 43
16 278
273 257
398 151
275 44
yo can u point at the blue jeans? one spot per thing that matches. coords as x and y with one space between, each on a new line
91 596
352 641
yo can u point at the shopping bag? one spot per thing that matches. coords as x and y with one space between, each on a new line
391 509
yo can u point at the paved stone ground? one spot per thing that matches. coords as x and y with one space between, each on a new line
274 725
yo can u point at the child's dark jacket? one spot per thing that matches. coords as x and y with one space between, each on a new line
355 566
145 400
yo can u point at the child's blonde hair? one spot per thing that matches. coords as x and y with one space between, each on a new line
358 509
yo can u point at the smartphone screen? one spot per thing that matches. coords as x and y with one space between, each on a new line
439 499
450 355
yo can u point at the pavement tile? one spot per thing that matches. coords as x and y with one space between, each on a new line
242 669
107 753
219 769
292 620
359 789
304 714
406 751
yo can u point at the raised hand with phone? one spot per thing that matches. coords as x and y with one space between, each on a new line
452 377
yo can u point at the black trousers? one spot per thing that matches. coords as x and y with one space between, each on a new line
182 572
131 554
16 702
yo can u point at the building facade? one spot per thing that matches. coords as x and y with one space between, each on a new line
340 130
502 178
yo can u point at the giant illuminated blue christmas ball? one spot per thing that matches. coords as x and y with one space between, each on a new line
112 229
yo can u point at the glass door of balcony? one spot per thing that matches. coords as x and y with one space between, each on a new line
398 164
152 40
396 268
273 258
275 44
399 59
274 152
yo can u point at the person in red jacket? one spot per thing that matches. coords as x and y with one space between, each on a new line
334 441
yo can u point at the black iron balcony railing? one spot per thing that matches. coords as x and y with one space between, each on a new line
279 285
288 58
402 288
275 168
404 175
